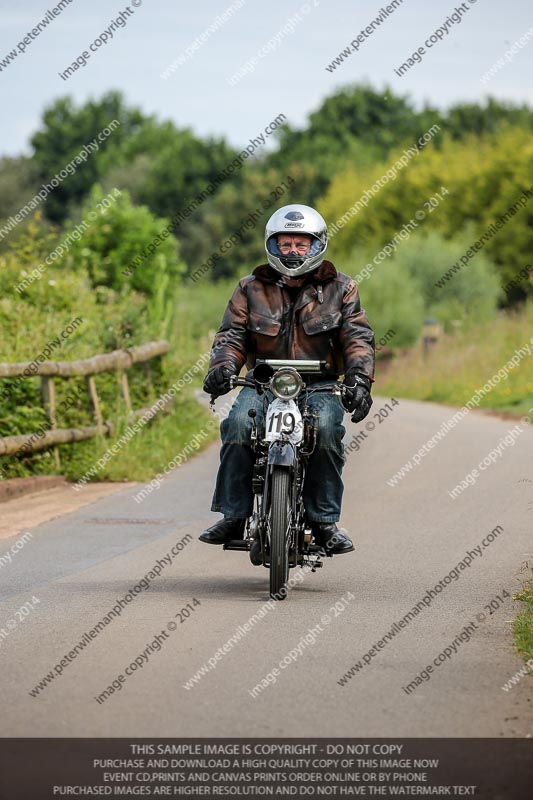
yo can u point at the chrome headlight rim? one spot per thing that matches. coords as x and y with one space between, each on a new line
294 374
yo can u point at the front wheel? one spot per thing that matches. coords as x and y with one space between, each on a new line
279 538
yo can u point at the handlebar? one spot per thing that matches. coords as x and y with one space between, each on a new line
334 388
240 382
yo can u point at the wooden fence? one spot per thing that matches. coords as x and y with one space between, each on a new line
118 361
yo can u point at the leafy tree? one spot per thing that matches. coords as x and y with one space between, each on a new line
355 127
181 169
170 165
165 168
484 179
65 130
471 295
481 119
350 141
359 126
124 238
392 299
38 303
377 119
18 184
400 291
235 220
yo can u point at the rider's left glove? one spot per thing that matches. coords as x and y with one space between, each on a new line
357 395
217 381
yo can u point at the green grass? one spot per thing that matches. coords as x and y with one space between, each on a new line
199 312
523 624
459 364
148 451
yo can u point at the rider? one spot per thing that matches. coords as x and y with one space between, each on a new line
295 307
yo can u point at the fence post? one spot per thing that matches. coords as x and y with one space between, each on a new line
95 403
116 361
122 378
48 397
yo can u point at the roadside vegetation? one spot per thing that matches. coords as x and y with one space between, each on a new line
523 624
93 250
462 361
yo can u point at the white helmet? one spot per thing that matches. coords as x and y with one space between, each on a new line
296 219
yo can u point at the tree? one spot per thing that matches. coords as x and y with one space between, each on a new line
357 121
18 184
467 118
229 229
182 168
479 181
64 132
170 166
125 239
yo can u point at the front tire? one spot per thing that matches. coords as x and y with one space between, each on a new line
279 521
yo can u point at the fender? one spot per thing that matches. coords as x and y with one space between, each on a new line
282 453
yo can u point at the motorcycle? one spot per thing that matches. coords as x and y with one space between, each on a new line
278 532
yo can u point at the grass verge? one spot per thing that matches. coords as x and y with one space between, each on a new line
148 451
523 624
460 364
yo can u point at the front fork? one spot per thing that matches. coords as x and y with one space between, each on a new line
301 551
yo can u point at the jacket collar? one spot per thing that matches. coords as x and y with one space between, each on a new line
326 272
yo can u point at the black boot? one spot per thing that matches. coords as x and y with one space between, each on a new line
223 531
328 536
256 556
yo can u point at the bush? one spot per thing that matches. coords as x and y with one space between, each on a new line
392 300
471 295
36 306
121 237
400 291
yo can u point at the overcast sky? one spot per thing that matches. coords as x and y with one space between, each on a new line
291 80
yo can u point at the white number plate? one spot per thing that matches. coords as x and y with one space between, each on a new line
283 417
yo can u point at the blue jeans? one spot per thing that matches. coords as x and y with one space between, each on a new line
323 485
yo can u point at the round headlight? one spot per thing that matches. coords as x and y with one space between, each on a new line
286 383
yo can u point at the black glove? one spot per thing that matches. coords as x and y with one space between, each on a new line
217 380
357 396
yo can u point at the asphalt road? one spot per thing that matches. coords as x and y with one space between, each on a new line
408 537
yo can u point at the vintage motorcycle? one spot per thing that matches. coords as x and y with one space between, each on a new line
278 534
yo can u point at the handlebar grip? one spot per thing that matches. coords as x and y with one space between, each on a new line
235 381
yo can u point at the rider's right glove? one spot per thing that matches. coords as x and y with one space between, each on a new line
217 381
357 396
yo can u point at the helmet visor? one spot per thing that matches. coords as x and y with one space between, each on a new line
293 259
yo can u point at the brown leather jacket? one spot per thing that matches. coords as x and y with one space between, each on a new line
325 322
